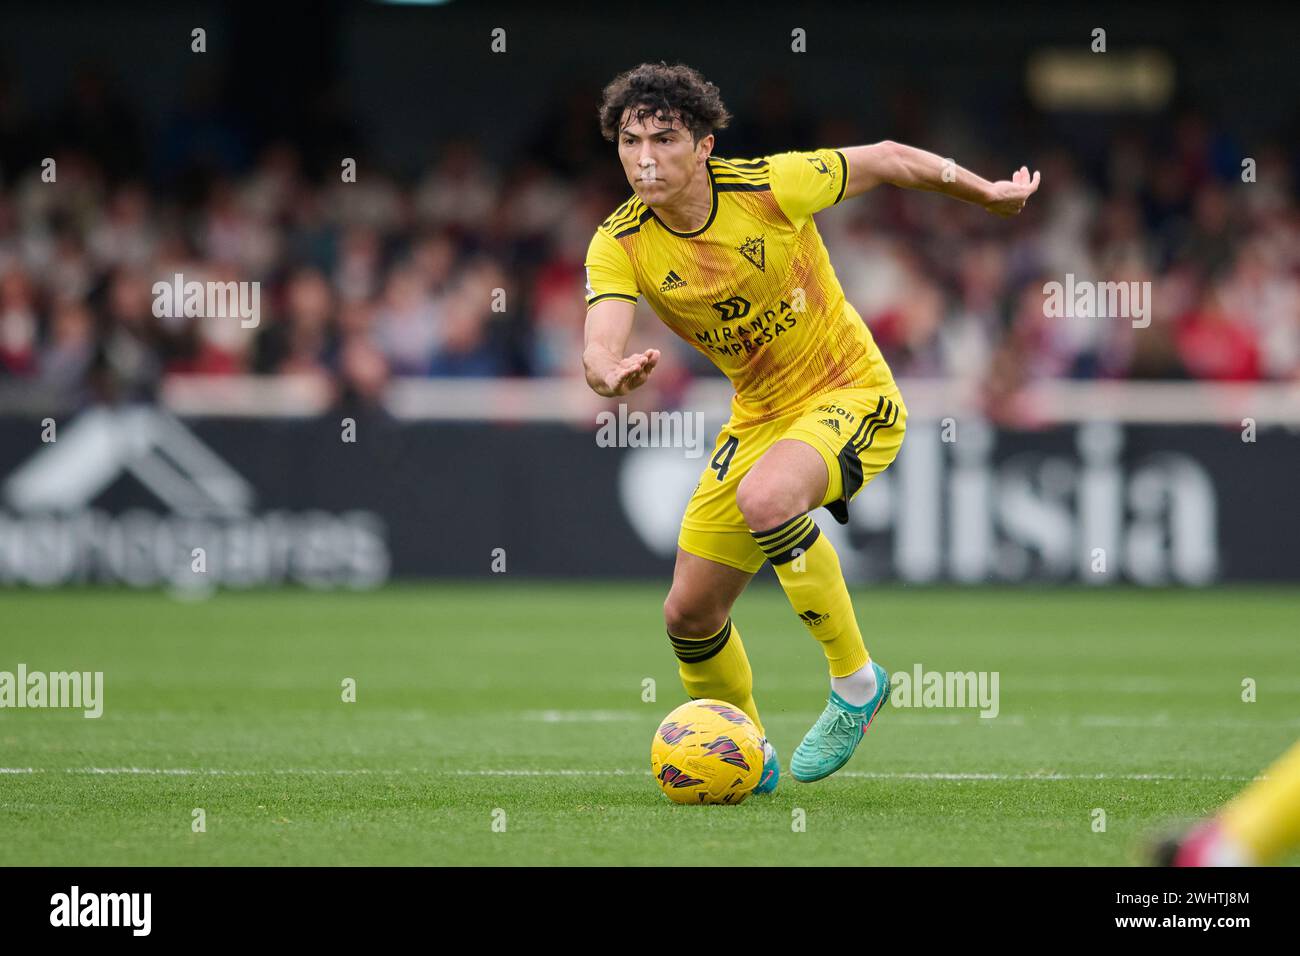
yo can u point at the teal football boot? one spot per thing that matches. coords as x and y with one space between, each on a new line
771 769
830 743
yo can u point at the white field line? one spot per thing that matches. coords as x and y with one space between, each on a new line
575 772
630 716
912 717
1128 684
1168 720
927 717
583 716
921 716
214 772
871 775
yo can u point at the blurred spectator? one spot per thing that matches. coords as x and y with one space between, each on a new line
1217 344
474 267
466 347
410 325
17 324
66 360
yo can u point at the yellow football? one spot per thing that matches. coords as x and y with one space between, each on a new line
707 751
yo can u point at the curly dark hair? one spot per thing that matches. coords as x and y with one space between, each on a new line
660 91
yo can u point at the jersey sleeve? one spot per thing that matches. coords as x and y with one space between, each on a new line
609 271
805 183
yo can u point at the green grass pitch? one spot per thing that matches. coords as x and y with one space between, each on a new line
521 703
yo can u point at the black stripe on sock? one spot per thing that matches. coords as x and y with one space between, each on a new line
695 651
779 543
802 546
774 534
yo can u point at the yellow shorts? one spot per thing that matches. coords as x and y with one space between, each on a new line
858 432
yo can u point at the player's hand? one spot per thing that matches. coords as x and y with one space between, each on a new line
1010 195
631 372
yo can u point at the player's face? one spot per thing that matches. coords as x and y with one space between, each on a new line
659 156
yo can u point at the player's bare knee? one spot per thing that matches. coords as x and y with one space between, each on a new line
685 618
765 504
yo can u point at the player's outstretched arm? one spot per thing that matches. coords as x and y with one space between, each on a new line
913 168
609 372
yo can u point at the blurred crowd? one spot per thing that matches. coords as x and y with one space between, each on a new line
472 266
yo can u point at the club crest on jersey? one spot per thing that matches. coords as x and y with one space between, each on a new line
672 281
755 252
726 750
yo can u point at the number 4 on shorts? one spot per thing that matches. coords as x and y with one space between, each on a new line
722 458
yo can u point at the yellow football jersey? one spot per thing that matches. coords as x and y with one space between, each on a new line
753 288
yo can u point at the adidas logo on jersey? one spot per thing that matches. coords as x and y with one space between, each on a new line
672 281
832 424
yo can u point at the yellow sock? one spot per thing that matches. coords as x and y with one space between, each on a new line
809 571
1265 817
717 667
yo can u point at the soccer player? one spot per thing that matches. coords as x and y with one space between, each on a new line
1256 828
727 254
